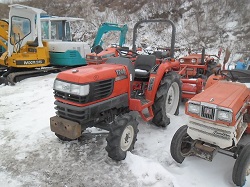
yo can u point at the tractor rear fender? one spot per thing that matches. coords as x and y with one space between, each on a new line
156 77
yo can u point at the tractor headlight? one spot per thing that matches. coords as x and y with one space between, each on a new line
224 115
70 88
194 108
61 86
181 60
193 60
81 90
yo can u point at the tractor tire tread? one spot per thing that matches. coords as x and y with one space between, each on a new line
176 143
241 164
113 139
160 119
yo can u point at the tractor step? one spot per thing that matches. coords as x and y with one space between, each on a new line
204 151
139 105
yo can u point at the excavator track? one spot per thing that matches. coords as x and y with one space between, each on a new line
10 78
2 70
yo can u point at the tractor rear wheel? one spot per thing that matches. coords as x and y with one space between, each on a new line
181 144
242 166
167 99
122 137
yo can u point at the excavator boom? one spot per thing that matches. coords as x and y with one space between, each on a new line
108 27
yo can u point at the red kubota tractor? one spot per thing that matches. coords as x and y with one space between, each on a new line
103 95
218 118
194 71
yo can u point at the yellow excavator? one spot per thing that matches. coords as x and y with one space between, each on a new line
24 49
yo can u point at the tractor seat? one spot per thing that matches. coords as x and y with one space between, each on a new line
140 73
143 65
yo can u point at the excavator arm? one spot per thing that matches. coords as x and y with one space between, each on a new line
107 27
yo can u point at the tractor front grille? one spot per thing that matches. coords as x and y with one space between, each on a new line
98 90
208 112
71 97
72 114
102 89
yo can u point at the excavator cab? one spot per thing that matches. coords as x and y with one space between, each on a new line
63 50
25 47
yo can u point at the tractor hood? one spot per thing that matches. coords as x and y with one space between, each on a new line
224 94
92 73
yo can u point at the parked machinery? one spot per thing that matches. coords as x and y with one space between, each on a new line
63 50
24 49
103 95
98 54
29 52
218 118
195 68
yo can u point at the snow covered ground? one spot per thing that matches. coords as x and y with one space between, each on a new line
31 155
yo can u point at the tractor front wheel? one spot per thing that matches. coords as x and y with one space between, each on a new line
167 99
122 137
181 144
242 166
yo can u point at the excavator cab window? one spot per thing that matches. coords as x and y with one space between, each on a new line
45 29
60 30
20 28
67 32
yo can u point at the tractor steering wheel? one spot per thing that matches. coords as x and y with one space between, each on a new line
127 53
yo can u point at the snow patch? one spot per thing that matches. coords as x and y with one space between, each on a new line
149 172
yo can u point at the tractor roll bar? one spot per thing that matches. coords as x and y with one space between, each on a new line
203 56
155 21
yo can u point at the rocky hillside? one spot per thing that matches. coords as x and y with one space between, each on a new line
209 23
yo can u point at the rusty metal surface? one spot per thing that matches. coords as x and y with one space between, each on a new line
203 147
204 151
64 127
